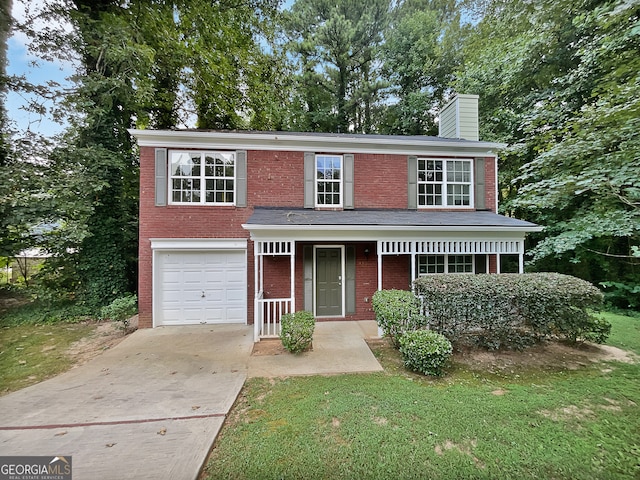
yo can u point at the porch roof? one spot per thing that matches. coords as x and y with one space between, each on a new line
268 218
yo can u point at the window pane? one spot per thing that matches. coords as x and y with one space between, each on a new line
328 183
460 264
203 175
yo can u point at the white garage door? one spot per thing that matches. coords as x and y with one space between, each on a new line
201 287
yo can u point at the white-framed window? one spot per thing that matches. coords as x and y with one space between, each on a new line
204 177
328 180
434 264
445 183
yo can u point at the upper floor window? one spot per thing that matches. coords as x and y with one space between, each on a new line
202 177
444 183
328 180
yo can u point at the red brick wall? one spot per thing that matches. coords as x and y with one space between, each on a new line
490 184
277 179
380 181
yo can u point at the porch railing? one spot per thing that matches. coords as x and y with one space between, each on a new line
269 312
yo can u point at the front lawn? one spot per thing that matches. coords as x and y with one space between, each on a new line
578 421
32 353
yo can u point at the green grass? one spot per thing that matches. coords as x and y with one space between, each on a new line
625 331
558 423
32 353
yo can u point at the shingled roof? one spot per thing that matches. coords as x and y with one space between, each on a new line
281 217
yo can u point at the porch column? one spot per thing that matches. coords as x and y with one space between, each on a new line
497 263
293 277
256 304
520 263
413 266
379 252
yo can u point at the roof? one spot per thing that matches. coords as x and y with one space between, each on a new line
287 218
313 141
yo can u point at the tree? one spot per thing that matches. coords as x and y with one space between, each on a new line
559 81
135 60
421 52
335 44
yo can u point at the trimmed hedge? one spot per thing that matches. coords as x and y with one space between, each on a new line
397 312
296 330
425 351
511 310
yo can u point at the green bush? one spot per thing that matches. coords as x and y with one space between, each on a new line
121 310
296 330
511 310
425 351
397 312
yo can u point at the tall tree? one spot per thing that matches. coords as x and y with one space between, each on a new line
336 43
421 53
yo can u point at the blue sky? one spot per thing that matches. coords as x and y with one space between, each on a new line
36 71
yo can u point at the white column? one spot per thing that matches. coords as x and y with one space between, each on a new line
379 255
257 320
497 263
521 260
293 276
413 265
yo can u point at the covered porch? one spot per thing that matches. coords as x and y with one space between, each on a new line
331 262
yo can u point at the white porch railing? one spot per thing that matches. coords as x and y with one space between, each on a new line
269 311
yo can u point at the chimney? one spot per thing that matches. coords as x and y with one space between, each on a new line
459 118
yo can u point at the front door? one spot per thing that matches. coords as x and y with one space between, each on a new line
329 282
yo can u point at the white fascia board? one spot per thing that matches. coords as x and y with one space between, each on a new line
291 142
198 244
373 233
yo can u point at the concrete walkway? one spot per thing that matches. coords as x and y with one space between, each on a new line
151 407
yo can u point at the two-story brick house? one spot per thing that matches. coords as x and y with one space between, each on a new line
245 226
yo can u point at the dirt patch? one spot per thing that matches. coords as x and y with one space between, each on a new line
268 347
547 355
466 449
106 335
550 356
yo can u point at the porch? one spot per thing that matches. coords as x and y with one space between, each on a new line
380 264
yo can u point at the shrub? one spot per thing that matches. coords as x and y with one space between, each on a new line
121 310
397 312
511 310
425 351
296 330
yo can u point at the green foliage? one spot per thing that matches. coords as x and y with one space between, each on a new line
397 312
296 330
121 310
335 44
623 295
511 310
425 351
558 81
420 54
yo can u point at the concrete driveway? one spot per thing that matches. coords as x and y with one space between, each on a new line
151 407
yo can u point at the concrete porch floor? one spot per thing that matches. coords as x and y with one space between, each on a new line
338 347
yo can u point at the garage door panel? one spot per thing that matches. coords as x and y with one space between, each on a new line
183 278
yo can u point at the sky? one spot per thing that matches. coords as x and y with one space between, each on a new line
36 71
